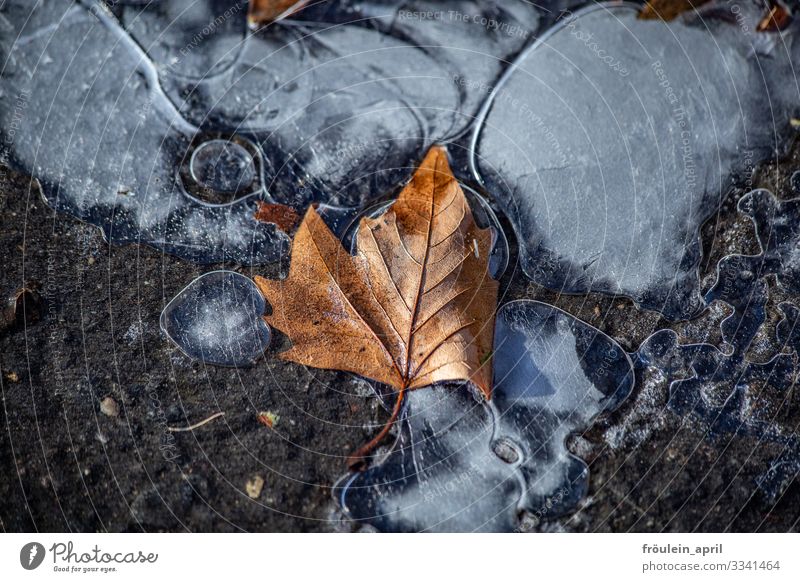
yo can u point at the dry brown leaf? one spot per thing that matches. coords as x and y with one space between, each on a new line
776 19
284 217
265 11
415 305
668 9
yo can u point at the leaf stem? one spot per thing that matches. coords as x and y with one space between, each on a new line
358 460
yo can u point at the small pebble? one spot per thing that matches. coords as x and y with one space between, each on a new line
506 451
109 406
254 486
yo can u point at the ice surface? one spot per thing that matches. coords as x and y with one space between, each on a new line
217 319
461 464
107 144
611 140
731 394
442 474
717 388
777 225
222 166
337 105
740 278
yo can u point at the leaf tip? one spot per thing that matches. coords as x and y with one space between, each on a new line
436 155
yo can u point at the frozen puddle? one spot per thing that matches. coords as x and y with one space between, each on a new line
726 391
607 144
777 225
460 464
611 140
164 123
217 320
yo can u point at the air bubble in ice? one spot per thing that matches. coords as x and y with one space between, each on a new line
222 165
506 450
217 319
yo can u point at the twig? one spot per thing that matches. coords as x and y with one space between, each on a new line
196 425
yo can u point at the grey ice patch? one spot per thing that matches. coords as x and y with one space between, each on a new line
611 140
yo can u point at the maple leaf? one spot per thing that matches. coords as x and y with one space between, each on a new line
265 11
668 9
413 307
778 18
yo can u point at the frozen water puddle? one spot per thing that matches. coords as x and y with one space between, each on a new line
777 225
611 140
162 129
732 395
460 464
109 147
217 320
163 123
